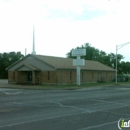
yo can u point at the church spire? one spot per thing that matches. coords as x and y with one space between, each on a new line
33 49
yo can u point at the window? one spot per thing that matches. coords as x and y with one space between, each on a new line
13 75
48 75
82 75
70 75
106 75
92 75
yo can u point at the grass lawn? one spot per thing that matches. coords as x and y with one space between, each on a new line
87 85
66 87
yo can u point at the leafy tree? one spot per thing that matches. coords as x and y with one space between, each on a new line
7 59
125 67
95 54
91 52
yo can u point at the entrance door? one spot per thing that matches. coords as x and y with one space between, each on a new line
29 76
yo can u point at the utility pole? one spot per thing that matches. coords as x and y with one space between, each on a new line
117 48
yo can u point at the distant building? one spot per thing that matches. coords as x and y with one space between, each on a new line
39 69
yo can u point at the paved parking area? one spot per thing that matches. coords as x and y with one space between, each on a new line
81 109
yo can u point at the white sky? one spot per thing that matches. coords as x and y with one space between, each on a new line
61 25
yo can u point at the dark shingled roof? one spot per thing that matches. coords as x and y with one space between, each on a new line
67 63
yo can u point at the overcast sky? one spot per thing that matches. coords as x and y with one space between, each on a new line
61 25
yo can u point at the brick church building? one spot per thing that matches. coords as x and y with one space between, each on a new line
40 69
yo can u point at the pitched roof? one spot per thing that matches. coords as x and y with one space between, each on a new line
27 66
66 63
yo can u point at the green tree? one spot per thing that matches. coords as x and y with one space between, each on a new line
125 67
91 52
7 59
95 54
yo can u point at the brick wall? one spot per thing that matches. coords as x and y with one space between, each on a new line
69 76
89 76
48 77
66 76
61 76
11 76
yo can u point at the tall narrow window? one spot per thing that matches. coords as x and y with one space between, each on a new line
13 75
92 75
82 75
48 75
106 75
70 75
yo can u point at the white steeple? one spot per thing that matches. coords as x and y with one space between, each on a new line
33 51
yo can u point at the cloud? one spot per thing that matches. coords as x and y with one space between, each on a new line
72 9
84 9
64 24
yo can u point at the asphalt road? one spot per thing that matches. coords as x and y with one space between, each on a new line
82 109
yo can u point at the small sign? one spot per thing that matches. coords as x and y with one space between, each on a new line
79 52
78 62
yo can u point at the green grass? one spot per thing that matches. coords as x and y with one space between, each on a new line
86 85
66 87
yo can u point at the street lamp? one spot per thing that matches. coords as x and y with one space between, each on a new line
117 48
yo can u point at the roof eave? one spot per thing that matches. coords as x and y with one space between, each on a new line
84 69
16 62
43 61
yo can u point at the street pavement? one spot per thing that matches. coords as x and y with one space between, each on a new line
79 109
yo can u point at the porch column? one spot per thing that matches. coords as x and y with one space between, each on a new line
33 77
